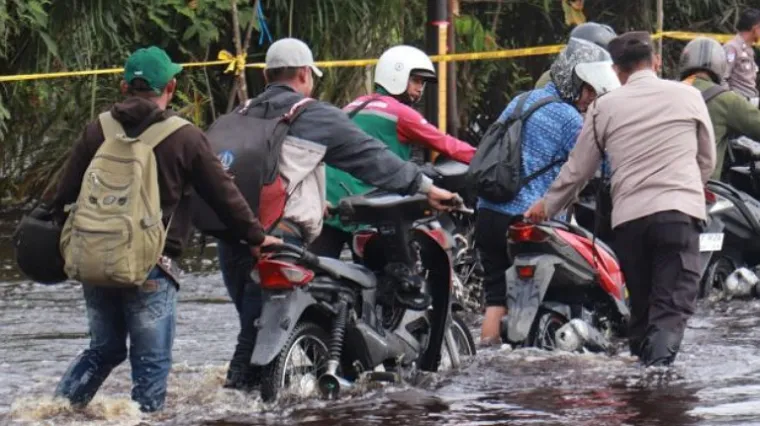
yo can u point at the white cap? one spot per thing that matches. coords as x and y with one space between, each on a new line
290 52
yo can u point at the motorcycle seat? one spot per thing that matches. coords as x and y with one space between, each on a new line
748 146
353 272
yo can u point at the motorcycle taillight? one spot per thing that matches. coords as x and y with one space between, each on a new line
710 197
278 275
526 232
361 238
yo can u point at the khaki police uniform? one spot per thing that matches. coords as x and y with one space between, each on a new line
741 74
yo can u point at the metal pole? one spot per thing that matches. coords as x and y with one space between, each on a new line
660 24
452 121
436 11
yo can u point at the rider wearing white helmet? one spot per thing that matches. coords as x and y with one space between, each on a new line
401 74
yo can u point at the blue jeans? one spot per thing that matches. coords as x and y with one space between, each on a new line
147 316
236 263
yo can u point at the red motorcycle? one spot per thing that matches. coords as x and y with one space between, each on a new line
565 289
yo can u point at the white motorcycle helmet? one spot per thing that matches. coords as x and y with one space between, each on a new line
398 63
583 62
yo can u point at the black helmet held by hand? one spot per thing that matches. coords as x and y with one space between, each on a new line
596 33
36 245
703 54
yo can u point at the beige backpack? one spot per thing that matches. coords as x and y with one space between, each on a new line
114 234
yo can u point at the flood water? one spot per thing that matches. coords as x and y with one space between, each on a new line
715 381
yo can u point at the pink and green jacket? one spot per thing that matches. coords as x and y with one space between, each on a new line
399 127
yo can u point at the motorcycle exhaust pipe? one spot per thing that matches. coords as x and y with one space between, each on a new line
331 384
578 334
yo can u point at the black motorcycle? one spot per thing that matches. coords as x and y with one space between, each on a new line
468 271
735 204
327 323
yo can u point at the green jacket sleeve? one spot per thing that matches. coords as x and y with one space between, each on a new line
742 116
545 78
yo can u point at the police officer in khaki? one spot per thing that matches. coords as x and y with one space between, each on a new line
702 64
661 153
741 74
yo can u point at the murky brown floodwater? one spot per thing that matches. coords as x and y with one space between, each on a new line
716 380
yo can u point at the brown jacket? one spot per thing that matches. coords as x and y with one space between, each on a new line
660 142
185 162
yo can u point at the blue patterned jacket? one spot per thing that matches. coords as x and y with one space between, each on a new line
549 133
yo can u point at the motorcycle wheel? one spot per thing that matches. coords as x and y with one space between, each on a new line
715 276
542 334
463 341
304 355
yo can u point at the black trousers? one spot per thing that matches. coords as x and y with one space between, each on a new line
491 241
659 255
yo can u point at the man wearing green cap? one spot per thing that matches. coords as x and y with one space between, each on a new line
184 160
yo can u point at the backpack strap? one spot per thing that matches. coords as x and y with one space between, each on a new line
712 92
152 136
536 105
524 116
111 127
363 105
518 111
158 132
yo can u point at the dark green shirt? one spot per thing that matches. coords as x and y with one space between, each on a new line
729 113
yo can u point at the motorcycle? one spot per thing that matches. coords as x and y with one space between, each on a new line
565 290
713 270
336 322
740 214
468 271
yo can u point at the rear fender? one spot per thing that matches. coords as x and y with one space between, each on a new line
279 315
524 295
436 251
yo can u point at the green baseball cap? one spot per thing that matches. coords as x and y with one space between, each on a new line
153 65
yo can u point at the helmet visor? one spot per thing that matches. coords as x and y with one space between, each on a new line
428 75
598 75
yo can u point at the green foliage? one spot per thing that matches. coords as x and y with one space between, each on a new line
39 120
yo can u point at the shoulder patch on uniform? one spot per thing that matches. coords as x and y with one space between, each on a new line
731 56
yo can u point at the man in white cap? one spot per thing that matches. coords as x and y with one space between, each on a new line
321 134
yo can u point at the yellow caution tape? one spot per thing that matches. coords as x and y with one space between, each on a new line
237 63
454 57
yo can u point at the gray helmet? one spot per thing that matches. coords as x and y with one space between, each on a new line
599 34
583 62
703 54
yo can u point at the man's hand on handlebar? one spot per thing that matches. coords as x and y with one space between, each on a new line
268 241
442 199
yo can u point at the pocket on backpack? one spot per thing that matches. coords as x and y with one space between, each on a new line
99 251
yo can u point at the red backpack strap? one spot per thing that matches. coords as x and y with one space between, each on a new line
296 110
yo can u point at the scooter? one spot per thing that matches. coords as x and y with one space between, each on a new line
740 213
713 271
335 322
564 289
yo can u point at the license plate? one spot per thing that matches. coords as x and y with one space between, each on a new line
711 241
